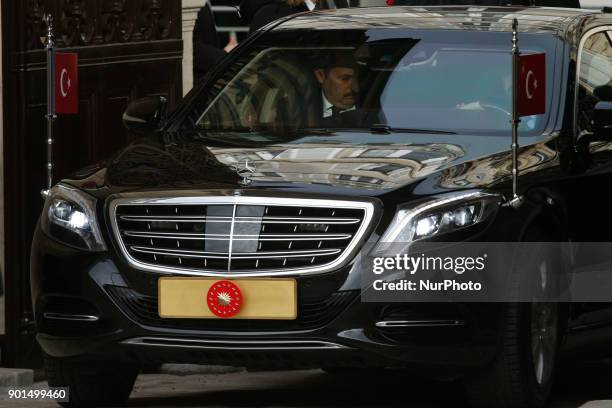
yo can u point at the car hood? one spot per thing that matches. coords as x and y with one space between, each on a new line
341 163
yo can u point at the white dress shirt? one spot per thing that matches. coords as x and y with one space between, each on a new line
328 107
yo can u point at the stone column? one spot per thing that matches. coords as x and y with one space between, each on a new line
189 16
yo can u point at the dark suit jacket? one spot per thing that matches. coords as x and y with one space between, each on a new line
258 13
355 118
206 48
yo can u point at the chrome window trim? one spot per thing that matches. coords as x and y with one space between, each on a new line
585 37
218 198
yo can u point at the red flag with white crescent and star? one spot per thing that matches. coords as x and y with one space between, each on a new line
532 84
66 83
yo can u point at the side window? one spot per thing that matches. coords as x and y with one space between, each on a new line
595 81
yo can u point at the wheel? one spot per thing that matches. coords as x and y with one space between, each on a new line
91 384
523 372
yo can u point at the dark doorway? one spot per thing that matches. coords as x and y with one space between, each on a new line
127 49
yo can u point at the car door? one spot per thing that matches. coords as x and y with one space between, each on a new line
590 219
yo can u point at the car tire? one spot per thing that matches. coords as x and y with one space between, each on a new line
522 373
511 381
91 384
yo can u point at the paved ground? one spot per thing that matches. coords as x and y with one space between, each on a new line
314 388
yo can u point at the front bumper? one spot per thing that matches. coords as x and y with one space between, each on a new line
91 305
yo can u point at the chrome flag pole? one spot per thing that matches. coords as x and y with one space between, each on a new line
50 47
516 120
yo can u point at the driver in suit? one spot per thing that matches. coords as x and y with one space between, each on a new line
336 75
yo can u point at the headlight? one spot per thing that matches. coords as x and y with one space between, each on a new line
69 216
441 215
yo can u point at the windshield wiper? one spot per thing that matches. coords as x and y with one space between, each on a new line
386 129
235 129
316 131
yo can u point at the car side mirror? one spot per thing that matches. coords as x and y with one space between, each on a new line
602 120
145 115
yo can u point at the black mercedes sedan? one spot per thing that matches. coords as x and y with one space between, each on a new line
231 230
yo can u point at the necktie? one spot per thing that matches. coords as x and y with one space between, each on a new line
336 116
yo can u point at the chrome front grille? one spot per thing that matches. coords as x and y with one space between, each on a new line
224 236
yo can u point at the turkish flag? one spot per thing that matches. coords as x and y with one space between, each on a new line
66 82
532 84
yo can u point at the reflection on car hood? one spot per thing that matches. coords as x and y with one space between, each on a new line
360 166
331 164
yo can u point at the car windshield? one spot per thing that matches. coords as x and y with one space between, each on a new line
376 80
